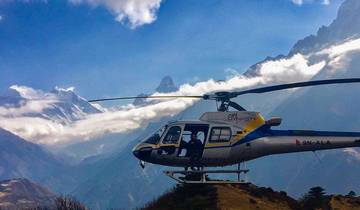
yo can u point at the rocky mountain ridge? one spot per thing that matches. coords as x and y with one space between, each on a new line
18 194
346 25
20 158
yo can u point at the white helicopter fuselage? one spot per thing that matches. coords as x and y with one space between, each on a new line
232 137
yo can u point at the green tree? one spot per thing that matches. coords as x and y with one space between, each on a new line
317 192
315 198
351 194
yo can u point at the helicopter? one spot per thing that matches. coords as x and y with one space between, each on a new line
231 137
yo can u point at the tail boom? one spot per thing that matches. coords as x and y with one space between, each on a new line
278 142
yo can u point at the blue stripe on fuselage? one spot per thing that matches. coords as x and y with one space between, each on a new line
265 131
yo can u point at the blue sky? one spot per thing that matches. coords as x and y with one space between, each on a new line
57 43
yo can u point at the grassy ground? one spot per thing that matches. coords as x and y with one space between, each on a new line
195 197
250 197
240 196
222 197
339 202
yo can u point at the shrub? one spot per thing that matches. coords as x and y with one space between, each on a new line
68 203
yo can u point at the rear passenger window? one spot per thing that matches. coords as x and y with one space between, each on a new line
220 134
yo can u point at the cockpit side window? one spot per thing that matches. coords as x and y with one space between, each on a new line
186 148
173 135
220 134
155 138
201 131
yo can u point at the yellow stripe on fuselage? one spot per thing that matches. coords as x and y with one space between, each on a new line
255 123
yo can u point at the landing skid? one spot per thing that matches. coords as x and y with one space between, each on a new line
201 176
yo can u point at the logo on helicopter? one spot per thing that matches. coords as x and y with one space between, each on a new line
312 142
235 117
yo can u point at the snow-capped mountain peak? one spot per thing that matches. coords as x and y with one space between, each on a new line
60 105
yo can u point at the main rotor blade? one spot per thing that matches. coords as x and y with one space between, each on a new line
295 85
136 97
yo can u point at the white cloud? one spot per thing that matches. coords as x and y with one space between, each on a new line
1 18
26 107
39 130
326 2
134 12
297 2
341 49
119 121
27 104
338 54
30 93
72 89
285 70
301 2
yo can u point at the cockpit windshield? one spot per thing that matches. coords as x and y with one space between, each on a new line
155 138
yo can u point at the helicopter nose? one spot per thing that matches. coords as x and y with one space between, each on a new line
142 153
136 153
